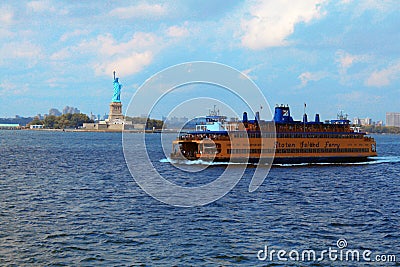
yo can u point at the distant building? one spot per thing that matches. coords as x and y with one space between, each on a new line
393 119
17 120
70 110
9 126
94 117
54 112
366 121
362 122
36 126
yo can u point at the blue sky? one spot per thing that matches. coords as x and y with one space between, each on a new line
330 54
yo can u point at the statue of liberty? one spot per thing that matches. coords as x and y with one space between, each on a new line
117 90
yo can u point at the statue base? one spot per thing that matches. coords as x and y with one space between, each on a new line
115 114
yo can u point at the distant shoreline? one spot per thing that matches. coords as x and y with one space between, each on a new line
141 131
98 131
138 131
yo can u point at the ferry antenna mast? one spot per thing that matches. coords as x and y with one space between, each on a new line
304 115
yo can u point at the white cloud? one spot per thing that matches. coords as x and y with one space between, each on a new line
380 8
72 34
245 74
105 54
306 77
108 46
384 77
8 88
6 15
346 60
21 50
358 97
126 65
126 58
143 10
4 33
61 55
381 5
40 6
272 21
177 31
45 6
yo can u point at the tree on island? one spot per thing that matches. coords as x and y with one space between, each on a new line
154 124
35 121
62 122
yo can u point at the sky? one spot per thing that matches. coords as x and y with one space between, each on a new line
332 55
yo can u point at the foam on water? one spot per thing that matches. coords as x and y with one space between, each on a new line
373 160
196 162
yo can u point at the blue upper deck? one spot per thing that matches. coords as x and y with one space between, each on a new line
282 115
282 120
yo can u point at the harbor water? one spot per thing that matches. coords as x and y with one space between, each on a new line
68 199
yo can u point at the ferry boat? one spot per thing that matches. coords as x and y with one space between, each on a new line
282 140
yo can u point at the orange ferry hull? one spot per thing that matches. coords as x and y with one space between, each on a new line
340 148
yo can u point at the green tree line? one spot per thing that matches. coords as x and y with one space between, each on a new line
62 122
381 129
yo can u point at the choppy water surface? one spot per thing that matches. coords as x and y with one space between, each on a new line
68 199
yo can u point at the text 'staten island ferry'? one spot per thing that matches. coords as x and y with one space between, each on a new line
283 140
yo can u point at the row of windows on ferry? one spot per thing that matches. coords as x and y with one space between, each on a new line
296 150
297 135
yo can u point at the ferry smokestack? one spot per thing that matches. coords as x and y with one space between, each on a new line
278 116
317 118
305 118
245 117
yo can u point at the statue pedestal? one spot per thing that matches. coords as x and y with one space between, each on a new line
115 112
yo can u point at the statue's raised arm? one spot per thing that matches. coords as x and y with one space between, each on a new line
117 90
